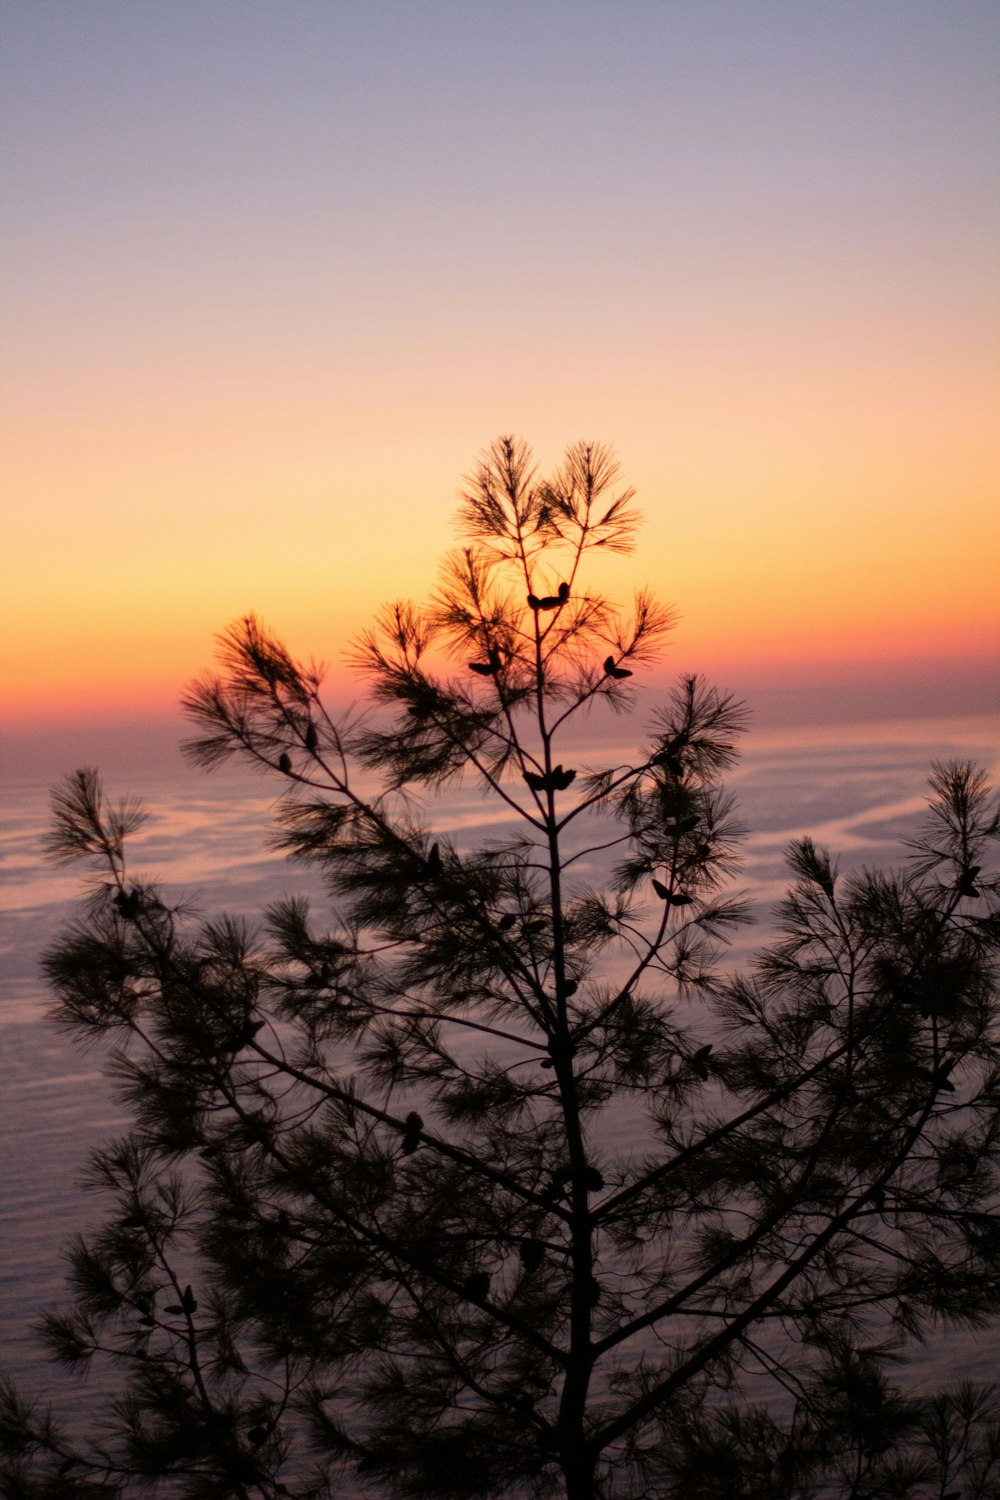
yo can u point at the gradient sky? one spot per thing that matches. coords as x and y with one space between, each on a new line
274 273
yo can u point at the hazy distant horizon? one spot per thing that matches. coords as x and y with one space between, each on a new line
847 694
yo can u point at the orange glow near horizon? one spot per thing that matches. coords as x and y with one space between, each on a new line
757 577
865 536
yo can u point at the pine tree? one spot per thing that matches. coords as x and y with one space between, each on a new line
486 1180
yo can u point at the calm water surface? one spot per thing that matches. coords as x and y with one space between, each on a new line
858 790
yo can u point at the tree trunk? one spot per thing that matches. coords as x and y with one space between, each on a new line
578 1468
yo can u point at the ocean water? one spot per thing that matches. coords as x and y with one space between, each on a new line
858 789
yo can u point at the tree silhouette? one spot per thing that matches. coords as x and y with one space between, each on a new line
488 1180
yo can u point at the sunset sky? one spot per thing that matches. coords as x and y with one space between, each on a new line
274 273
